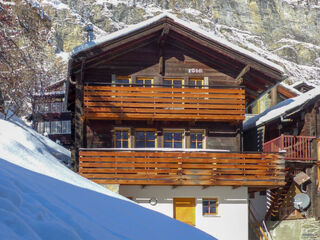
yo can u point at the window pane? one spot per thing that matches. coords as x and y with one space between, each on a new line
124 134
140 135
199 145
53 127
213 209
118 135
178 145
167 144
178 136
47 127
177 83
124 144
192 136
205 209
167 82
167 136
192 144
148 82
199 136
150 135
150 144
139 82
118 144
59 126
140 144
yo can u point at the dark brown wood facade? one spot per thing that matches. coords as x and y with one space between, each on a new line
165 77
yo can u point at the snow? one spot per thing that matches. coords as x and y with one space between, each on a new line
56 4
191 25
281 109
40 198
63 55
53 93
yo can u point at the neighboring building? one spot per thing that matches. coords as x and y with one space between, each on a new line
294 126
48 115
158 111
278 94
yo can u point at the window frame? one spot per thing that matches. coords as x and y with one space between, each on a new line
204 138
196 80
173 79
121 77
146 130
144 79
216 206
115 138
172 131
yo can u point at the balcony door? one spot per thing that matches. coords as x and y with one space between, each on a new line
184 210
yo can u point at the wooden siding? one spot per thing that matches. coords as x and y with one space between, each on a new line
159 103
181 168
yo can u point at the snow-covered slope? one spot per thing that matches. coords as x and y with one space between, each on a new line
40 198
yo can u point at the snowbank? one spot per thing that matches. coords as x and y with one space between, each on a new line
42 199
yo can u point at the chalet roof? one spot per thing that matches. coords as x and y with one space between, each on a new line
190 25
257 73
283 109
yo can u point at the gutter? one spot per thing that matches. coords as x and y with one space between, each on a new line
265 92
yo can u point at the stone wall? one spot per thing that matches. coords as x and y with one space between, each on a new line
302 229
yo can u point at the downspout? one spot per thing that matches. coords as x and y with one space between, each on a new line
265 92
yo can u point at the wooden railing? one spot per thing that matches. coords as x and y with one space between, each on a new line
161 103
181 168
298 148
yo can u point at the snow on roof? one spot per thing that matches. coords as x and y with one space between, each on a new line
290 88
42 199
190 25
52 93
281 109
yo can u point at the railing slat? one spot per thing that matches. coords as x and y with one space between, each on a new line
298 148
181 168
140 103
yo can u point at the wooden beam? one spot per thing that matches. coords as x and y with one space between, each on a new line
242 73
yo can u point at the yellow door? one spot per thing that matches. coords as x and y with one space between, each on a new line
184 210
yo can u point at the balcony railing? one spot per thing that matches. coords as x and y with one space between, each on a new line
163 103
298 148
163 167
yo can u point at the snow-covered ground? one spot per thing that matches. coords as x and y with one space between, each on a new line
40 198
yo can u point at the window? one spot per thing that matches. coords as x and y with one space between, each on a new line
145 82
210 206
122 138
173 82
55 127
56 107
47 127
196 82
123 80
173 139
145 138
40 127
66 127
197 139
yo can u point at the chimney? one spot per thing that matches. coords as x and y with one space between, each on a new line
89 30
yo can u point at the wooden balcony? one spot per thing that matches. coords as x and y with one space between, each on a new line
298 148
157 167
161 103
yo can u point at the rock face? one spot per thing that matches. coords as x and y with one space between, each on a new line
285 31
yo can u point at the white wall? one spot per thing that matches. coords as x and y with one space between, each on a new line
231 222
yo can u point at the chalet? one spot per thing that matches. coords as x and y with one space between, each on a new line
48 115
157 114
294 126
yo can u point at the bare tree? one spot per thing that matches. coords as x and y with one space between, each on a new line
24 34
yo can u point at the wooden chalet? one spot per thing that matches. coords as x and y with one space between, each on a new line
161 105
292 126
48 115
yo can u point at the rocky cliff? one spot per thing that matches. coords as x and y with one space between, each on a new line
284 31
